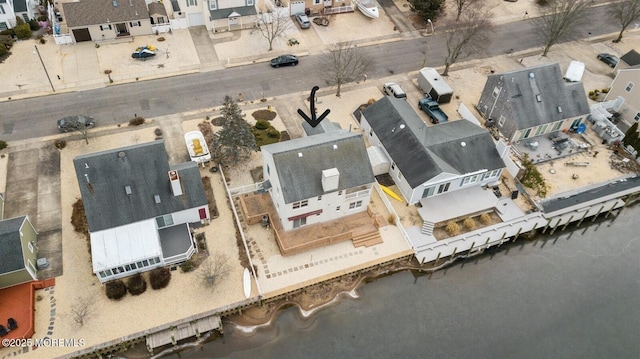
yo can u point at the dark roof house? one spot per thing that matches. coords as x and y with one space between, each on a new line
18 251
522 100
631 58
95 12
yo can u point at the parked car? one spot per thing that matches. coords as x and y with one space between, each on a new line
72 123
608 59
303 20
393 89
432 109
284 60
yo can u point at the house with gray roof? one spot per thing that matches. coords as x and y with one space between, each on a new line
533 102
157 13
216 15
96 20
428 161
18 254
318 178
7 15
25 9
625 88
139 209
631 58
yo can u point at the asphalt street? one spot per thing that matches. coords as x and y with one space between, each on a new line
35 117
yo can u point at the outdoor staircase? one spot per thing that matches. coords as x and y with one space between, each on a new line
427 228
367 237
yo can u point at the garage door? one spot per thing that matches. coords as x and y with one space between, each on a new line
296 7
81 35
196 19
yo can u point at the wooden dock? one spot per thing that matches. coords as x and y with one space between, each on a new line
183 331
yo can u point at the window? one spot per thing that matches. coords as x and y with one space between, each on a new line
319 198
135 24
338 209
492 174
354 205
316 2
160 20
145 262
637 117
213 5
139 264
105 27
470 179
2 12
30 245
3 26
299 222
629 87
249 2
443 188
300 204
541 130
25 17
501 121
556 126
193 3
393 166
428 192
268 170
164 221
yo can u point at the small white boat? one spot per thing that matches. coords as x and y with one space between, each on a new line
368 8
197 146
246 281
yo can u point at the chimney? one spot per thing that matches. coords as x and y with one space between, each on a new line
330 179
175 183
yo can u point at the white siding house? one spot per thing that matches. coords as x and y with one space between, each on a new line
318 178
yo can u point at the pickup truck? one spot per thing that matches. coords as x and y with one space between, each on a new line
431 108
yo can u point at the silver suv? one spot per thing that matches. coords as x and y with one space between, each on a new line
393 89
303 20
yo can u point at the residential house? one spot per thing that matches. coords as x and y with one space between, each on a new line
139 209
158 13
532 102
230 14
318 178
7 15
19 252
320 7
96 20
626 86
427 161
630 59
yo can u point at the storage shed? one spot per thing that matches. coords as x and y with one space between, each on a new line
433 85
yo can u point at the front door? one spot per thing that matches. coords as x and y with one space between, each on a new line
299 222
121 29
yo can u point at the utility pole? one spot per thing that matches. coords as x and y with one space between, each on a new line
45 69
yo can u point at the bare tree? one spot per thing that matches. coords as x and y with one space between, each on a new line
559 21
81 309
463 5
211 269
272 24
470 35
344 63
624 12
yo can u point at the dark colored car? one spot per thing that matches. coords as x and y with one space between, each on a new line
73 123
609 59
303 20
284 60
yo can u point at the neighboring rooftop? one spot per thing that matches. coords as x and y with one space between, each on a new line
130 184
96 12
631 58
11 256
422 152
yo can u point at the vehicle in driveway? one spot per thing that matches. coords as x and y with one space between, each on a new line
432 109
303 20
284 60
608 59
393 89
73 123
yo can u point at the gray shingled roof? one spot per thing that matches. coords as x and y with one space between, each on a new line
157 8
143 167
11 256
322 127
422 152
631 58
518 103
301 177
224 13
96 12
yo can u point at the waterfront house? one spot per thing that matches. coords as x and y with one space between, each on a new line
96 20
18 254
157 13
426 161
318 178
215 15
532 102
626 88
139 208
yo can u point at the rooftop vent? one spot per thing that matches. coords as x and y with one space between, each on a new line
463 144
122 154
156 198
335 147
538 98
300 154
115 3
559 109
174 179
532 75
127 189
